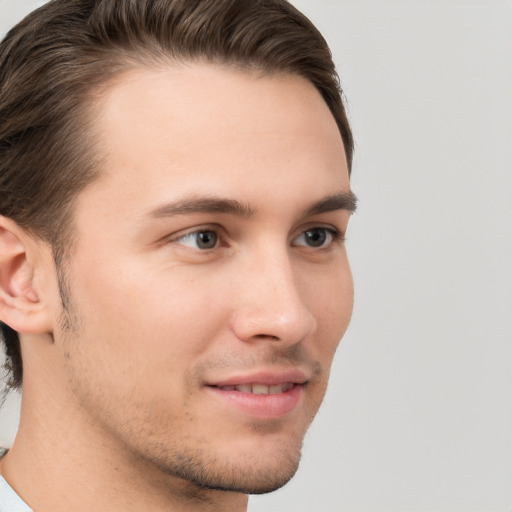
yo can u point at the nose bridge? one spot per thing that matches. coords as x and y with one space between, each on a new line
271 303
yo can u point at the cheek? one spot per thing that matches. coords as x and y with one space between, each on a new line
331 303
147 314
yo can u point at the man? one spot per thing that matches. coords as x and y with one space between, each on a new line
174 181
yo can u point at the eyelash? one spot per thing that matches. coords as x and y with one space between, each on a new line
334 234
331 234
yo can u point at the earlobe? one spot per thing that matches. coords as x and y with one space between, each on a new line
20 305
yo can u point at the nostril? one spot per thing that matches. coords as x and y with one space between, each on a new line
266 336
282 318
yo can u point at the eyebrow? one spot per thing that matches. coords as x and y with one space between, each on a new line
204 205
340 201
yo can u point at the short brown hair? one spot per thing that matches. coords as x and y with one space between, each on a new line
59 55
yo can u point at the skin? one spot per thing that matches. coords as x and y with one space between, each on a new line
119 406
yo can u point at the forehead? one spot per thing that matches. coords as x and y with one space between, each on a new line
216 130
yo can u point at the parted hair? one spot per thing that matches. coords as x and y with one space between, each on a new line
54 63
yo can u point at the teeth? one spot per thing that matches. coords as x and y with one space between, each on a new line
260 389
281 388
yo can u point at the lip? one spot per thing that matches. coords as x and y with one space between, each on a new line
261 407
267 377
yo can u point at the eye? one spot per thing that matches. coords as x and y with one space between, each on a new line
316 238
203 239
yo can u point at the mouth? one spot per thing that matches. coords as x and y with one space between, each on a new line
260 389
263 395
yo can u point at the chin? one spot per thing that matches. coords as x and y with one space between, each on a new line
263 479
256 473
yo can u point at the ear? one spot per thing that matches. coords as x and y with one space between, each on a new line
21 307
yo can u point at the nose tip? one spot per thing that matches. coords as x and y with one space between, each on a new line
275 311
254 325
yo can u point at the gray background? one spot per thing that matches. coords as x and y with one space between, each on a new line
418 416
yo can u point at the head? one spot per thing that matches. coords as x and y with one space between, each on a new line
50 77
179 171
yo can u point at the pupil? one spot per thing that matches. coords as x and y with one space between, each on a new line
206 239
316 237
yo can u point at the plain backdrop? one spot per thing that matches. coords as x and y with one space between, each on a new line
418 417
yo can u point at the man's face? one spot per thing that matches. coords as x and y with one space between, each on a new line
209 284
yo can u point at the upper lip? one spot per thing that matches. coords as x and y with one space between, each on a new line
266 377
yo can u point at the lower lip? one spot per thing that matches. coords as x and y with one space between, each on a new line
265 407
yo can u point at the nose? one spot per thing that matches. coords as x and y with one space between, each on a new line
270 303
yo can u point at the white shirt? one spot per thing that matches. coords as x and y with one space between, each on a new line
9 500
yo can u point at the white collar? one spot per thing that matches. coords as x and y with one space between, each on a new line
9 500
